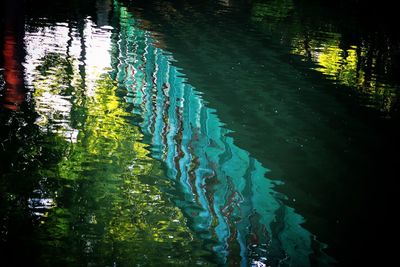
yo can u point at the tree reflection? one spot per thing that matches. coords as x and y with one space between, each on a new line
271 11
365 64
77 186
106 203
25 185
355 67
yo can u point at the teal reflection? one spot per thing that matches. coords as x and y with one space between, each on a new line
226 196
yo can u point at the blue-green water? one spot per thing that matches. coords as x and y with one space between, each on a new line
216 133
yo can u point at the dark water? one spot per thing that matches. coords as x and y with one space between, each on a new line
181 133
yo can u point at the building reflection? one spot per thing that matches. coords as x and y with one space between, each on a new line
227 198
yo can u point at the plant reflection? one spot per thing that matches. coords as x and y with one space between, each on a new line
350 67
362 65
88 194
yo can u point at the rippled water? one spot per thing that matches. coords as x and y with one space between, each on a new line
220 133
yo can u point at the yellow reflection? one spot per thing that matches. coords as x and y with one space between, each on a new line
109 136
81 106
347 67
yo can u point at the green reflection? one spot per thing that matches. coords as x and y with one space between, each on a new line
351 67
108 207
271 10
89 196
364 64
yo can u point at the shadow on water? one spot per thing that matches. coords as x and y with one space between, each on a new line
206 133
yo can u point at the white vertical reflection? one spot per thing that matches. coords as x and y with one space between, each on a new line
55 54
98 60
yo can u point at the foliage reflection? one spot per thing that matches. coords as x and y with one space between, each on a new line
363 64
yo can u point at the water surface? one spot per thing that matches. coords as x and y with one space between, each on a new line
216 133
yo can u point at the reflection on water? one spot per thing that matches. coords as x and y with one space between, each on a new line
350 67
77 185
62 72
364 65
267 11
101 198
110 156
227 198
12 93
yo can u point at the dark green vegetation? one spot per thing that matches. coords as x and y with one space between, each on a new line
177 133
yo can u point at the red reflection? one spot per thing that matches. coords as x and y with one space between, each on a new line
14 94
